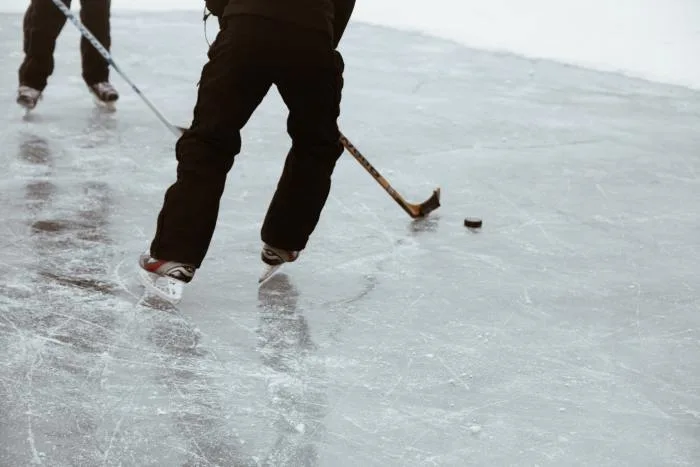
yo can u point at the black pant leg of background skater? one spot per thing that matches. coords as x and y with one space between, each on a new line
42 24
232 85
95 15
311 86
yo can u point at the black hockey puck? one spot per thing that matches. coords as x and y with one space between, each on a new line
472 222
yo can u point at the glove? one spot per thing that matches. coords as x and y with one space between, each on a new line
216 7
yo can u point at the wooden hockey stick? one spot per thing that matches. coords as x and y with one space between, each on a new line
413 210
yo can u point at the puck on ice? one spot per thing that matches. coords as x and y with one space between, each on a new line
472 222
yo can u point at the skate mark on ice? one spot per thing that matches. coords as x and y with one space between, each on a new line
95 285
115 431
30 352
123 284
36 458
557 144
531 221
369 286
637 311
344 309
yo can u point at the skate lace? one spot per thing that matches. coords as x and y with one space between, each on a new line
182 272
104 88
278 256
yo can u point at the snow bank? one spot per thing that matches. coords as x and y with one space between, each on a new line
653 39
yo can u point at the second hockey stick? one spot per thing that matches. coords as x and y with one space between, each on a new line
108 57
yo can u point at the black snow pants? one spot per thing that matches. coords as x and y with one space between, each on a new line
43 22
249 55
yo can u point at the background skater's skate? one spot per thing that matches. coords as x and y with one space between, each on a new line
28 97
43 22
105 95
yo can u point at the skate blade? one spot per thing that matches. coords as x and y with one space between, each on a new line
271 270
164 287
108 106
27 107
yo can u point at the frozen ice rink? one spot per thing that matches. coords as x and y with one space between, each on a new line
564 333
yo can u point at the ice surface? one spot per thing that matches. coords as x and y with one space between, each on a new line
564 333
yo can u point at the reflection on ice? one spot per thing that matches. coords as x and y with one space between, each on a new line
296 379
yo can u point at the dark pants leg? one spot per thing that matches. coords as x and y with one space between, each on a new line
43 22
233 83
95 15
248 56
311 86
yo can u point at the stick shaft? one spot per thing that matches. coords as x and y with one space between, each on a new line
108 57
376 175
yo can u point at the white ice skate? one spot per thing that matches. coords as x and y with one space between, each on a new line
165 279
274 258
105 94
28 97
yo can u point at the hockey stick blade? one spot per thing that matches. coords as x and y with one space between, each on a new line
427 206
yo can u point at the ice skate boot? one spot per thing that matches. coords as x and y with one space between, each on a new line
274 258
105 94
166 279
28 97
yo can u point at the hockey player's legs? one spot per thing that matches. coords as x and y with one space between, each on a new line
42 25
232 85
95 15
311 86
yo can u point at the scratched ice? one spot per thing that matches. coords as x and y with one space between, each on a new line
564 333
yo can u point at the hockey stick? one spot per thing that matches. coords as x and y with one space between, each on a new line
413 210
108 57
